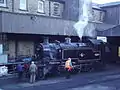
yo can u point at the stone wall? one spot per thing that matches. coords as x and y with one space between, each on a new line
25 48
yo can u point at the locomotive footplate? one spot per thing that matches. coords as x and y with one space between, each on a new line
89 61
54 62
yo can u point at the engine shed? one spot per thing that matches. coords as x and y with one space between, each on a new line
113 44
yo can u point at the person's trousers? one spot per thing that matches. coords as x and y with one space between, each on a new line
32 77
20 73
67 73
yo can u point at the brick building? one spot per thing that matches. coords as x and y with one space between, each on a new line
112 16
25 22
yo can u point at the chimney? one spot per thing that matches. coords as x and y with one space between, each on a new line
67 40
46 40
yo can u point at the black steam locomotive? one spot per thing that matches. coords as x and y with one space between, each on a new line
52 56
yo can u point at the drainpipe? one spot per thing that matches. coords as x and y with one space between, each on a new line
13 5
16 48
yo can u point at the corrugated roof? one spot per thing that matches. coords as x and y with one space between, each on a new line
110 4
95 5
110 32
102 26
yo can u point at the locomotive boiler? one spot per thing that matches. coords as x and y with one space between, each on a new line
52 56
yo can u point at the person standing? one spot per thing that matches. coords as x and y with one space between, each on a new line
20 71
68 67
33 70
26 70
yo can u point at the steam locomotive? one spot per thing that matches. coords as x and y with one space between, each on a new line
52 56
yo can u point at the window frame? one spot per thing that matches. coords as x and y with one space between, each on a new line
21 4
60 9
102 14
4 4
43 6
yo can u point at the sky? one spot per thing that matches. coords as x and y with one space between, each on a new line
104 1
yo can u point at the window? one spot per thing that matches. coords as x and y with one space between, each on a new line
56 9
93 14
6 46
101 16
41 6
23 4
3 3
